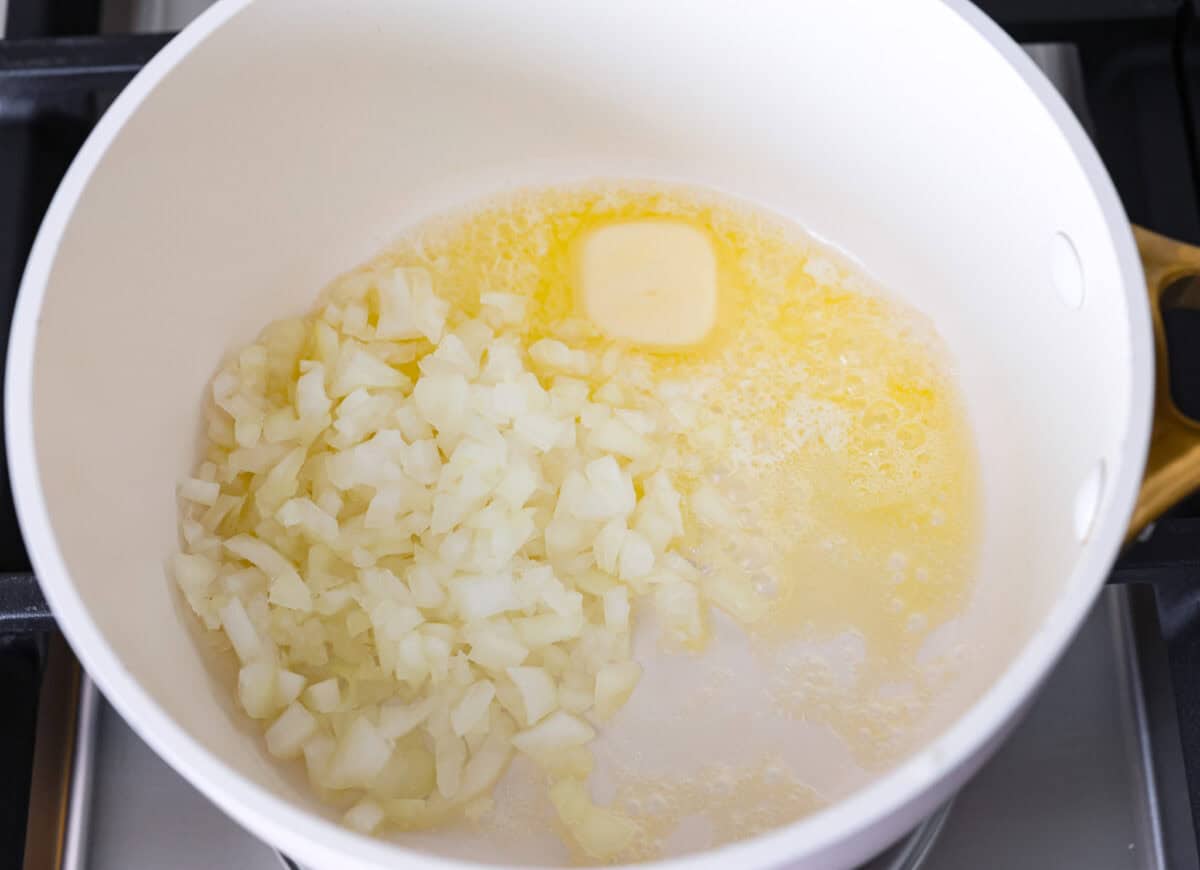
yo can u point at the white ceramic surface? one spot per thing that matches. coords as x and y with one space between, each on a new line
274 143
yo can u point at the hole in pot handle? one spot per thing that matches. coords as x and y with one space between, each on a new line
1173 464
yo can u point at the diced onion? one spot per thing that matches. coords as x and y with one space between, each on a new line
396 719
288 734
616 609
365 816
288 686
600 832
614 684
200 491
636 558
423 536
538 693
450 755
557 731
325 696
361 753
240 630
472 707
481 597
304 513
256 689
678 608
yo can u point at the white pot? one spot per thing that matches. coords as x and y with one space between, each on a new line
275 143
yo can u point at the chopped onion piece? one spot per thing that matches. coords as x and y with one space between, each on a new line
554 354
614 684
538 694
545 629
557 731
442 400
616 609
483 770
365 816
636 559
311 401
409 773
288 734
318 753
325 696
240 630
357 368
615 436
288 686
396 719
408 307
256 689
281 482
495 650
194 574
450 754
612 486
541 430
288 590
574 761
473 707
422 462
263 556
305 514
607 546
361 754
480 597
200 491
505 309
677 605
601 833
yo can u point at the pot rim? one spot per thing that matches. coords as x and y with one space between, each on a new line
838 832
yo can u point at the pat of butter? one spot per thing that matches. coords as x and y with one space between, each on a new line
651 282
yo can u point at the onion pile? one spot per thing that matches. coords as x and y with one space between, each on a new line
423 532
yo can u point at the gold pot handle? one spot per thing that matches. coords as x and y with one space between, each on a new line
1173 465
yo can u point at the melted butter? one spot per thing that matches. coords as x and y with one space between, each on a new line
848 441
846 453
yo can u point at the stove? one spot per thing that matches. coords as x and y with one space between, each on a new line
1102 774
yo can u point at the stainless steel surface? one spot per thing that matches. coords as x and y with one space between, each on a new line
83 770
1167 806
1137 725
1060 63
911 852
149 16
53 761
144 816
1070 789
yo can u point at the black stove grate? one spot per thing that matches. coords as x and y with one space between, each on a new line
1140 61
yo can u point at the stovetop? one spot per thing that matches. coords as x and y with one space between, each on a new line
1104 772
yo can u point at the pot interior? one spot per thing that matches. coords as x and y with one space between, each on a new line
297 139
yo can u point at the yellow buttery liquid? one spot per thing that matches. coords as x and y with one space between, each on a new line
846 453
847 432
